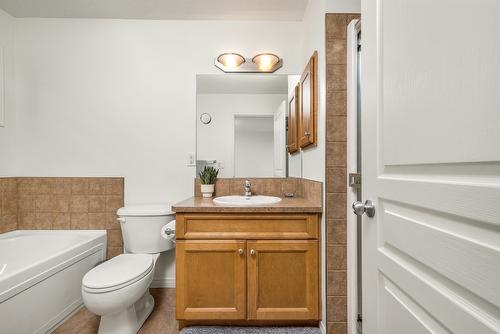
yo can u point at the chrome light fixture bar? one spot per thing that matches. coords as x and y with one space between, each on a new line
232 62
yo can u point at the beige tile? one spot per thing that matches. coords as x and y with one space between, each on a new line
79 221
9 204
337 328
222 187
97 203
114 186
8 223
336 26
61 203
336 76
113 203
336 206
62 221
271 187
337 258
113 251
9 185
351 17
97 221
62 186
26 186
336 232
336 129
45 203
44 186
97 186
292 185
111 222
79 186
26 203
312 190
79 203
43 220
336 154
336 52
115 238
337 283
336 103
337 309
336 180
26 221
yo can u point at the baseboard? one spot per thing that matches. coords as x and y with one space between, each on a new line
322 327
163 283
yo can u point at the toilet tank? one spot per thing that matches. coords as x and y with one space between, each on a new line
142 228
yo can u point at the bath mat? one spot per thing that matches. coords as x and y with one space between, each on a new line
249 330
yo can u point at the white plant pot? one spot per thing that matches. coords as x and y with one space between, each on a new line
207 190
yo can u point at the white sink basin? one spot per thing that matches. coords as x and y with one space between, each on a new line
243 200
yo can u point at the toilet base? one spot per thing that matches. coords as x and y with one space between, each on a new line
130 320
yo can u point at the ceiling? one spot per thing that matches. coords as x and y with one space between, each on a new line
241 84
281 10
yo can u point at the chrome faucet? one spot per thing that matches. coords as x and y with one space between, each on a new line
248 188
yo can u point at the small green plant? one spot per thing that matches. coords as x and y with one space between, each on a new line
208 175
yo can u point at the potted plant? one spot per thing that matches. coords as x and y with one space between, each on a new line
207 178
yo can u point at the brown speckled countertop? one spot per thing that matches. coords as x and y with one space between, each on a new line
200 204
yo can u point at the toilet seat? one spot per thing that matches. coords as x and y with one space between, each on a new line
120 271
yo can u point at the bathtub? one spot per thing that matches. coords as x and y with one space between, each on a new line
41 274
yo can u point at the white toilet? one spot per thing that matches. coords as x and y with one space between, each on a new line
118 289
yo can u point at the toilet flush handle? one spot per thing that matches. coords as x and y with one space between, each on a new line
120 220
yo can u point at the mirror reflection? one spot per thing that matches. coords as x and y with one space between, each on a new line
241 124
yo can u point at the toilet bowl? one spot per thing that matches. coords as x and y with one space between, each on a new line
118 289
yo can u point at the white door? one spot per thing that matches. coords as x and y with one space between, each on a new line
280 141
431 165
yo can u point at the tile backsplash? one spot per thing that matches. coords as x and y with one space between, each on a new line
266 186
74 203
8 204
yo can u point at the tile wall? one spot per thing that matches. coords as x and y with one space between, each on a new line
267 186
63 204
336 157
8 204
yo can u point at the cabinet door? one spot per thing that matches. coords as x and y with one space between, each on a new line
282 280
308 104
211 279
293 108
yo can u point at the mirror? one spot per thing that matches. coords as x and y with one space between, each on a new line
241 124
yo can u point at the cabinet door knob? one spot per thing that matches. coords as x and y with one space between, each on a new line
240 251
252 251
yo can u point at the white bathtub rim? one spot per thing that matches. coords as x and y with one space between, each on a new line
28 278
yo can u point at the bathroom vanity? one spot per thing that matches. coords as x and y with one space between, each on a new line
248 265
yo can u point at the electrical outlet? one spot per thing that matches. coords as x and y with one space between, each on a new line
191 161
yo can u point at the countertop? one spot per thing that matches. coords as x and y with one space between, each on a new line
286 205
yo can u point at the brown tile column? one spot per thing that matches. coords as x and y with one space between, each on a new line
336 170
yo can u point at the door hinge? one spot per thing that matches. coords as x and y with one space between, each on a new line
359 326
355 180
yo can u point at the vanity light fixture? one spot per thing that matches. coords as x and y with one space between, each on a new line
266 61
232 62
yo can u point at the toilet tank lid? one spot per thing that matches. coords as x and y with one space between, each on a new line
146 210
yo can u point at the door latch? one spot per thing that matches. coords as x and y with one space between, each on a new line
355 180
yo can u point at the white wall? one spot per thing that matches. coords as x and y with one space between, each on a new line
343 6
313 159
254 148
8 131
216 140
118 97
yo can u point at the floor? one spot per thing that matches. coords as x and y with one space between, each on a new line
162 320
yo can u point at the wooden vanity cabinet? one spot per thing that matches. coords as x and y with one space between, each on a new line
211 279
246 275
